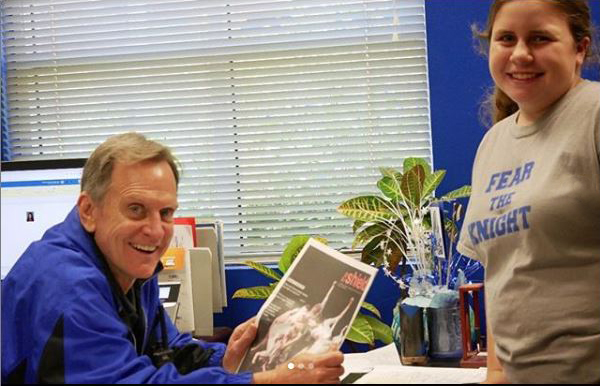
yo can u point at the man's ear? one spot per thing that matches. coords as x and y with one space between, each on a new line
88 212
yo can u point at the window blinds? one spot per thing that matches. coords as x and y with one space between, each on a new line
277 110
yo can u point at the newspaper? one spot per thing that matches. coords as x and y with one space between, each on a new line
311 309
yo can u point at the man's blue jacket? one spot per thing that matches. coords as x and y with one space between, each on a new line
63 322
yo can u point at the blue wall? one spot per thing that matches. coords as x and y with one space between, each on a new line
458 78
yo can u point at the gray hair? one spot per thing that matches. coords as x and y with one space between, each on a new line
130 148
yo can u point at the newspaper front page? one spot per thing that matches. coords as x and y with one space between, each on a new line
312 308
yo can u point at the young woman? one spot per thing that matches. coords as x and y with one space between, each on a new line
534 214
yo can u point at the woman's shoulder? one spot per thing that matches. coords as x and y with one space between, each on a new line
591 84
589 92
499 129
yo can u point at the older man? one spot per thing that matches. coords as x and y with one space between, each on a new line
81 305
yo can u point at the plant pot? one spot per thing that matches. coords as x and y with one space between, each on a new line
410 334
444 332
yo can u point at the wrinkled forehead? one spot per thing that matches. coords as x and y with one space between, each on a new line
154 177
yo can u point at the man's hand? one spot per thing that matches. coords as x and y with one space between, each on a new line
306 368
239 342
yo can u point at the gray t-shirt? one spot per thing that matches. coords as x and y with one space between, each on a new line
534 221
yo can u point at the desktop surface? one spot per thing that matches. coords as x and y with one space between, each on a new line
383 365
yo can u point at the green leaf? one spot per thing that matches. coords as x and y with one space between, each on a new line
396 256
291 251
412 186
371 252
451 228
464 191
357 225
361 331
368 233
366 208
381 331
322 240
371 308
411 162
390 187
432 181
264 270
388 172
261 292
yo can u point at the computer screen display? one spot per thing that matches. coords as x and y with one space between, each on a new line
168 291
35 195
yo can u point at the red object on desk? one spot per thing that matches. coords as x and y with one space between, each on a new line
191 221
471 357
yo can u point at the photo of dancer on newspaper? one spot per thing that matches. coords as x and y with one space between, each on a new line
308 313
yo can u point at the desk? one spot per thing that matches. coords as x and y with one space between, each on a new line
383 365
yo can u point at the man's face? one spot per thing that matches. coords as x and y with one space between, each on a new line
133 224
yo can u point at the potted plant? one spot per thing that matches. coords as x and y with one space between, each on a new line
365 328
396 231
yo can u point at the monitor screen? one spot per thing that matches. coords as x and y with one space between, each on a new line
164 292
35 195
169 291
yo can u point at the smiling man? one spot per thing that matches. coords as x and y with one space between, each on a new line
133 223
81 305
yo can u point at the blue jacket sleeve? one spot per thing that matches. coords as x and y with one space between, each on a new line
97 349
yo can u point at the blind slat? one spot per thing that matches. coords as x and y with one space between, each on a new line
277 110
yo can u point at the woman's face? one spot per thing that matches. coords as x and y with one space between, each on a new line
533 56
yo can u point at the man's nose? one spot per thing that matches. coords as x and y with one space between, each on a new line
154 226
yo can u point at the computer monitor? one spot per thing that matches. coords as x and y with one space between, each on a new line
168 293
35 195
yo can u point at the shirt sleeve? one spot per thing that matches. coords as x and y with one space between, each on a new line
464 245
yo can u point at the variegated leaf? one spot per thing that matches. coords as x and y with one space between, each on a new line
412 185
464 191
394 258
371 252
366 208
357 225
367 234
432 181
451 228
263 270
390 187
261 292
411 162
387 172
